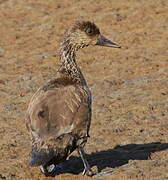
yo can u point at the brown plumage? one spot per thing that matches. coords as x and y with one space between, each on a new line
59 114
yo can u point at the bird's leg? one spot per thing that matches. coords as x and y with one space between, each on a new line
87 169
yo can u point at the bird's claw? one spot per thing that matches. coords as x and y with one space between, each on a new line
88 172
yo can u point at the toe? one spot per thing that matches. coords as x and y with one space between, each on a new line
89 173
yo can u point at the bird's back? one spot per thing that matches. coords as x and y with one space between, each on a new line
58 118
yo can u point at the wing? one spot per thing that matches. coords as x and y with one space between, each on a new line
58 111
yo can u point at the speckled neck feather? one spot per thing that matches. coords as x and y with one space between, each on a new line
69 66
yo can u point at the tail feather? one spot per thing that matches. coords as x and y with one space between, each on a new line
40 157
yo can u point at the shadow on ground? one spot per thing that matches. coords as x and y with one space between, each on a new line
115 157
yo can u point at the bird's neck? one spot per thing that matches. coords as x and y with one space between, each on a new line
69 67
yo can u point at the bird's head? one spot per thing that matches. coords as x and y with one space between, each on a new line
85 33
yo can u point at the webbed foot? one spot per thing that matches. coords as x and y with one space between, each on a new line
88 172
51 170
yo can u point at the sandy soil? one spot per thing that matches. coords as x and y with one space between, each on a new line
129 131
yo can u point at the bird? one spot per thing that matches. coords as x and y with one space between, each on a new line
58 116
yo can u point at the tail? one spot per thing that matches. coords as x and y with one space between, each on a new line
40 157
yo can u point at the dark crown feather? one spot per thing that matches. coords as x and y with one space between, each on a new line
88 27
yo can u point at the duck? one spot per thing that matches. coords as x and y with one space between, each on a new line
58 116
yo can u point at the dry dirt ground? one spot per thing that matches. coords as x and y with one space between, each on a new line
129 132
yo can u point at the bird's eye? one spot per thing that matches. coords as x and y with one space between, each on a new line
89 31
